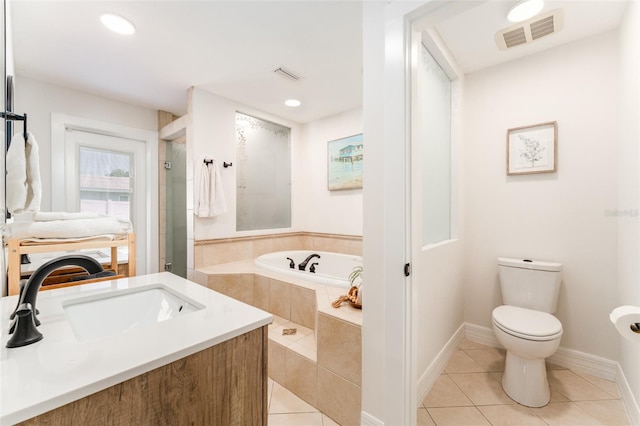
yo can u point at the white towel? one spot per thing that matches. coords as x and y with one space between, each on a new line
78 228
24 189
49 216
208 194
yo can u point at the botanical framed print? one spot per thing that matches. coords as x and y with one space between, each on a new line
532 149
344 163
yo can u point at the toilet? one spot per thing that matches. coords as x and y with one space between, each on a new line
525 327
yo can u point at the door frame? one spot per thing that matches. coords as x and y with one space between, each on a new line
59 124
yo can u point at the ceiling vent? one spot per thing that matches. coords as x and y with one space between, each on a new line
531 30
289 75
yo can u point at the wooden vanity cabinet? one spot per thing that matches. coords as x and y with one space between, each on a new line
225 384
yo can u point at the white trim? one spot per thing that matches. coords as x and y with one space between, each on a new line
367 419
564 357
630 404
435 369
59 123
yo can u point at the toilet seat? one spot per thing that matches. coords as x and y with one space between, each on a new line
527 323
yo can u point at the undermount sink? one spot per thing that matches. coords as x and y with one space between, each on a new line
102 315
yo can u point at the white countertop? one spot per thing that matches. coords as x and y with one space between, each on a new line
58 369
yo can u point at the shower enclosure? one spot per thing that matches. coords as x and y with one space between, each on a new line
175 169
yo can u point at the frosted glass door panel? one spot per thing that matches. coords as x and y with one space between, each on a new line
435 151
263 174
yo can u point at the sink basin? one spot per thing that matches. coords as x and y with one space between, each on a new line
102 315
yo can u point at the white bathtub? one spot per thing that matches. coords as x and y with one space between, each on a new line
331 269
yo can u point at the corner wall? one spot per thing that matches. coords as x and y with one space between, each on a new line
321 210
40 99
628 287
562 216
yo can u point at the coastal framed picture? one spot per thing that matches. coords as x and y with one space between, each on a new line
344 163
532 149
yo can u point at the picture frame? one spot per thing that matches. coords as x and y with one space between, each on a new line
532 149
344 163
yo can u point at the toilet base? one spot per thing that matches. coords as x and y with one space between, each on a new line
525 380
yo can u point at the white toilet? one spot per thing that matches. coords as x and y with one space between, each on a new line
525 327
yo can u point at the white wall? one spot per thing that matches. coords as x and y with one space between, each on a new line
39 100
214 135
559 216
321 210
629 190
314 208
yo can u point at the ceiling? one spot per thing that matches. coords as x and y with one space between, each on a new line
231 48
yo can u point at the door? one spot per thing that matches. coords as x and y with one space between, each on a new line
107 174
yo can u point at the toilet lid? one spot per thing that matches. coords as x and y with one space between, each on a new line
526 322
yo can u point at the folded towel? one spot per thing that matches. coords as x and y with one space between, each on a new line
24 189
208 194
49 216
79 228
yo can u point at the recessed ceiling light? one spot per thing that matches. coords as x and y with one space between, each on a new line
525 10
292 103
117 23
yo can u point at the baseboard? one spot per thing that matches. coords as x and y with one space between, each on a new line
367 419
630 403
431 374
564 357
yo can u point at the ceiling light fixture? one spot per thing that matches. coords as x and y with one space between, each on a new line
524 10
117 23
292 103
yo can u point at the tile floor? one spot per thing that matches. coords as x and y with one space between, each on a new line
469 393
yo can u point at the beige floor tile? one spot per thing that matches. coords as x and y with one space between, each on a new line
470 344
481 388
565 414
610 413
285 402
270 384
491 359
278 321
326 421
309 341
298 419
424 419
468 416
606 385
460 362
551 366
575 387
510 415
445 393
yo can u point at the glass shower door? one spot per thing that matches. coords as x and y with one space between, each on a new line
176 209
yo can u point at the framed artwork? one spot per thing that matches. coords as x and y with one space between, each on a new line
344 163
532 149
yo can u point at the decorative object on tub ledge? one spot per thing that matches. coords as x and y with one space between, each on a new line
354 297
344 163
208 194
532 149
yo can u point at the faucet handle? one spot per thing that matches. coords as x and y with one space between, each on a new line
25 331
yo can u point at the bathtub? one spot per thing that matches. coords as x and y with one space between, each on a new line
332 269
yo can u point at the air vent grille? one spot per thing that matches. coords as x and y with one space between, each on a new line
531 30
289 75
542 28
514 37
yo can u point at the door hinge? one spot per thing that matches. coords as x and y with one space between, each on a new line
407 269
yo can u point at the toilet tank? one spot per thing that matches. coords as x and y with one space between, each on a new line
530 284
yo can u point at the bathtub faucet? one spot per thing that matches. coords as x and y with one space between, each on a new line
292 264
303 264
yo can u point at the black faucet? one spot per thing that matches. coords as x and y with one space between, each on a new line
312 268
292 264
24 326
303 264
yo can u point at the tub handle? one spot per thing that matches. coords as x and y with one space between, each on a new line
312 268
292 265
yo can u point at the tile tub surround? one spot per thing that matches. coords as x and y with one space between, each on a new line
30 386
307 369
226 250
